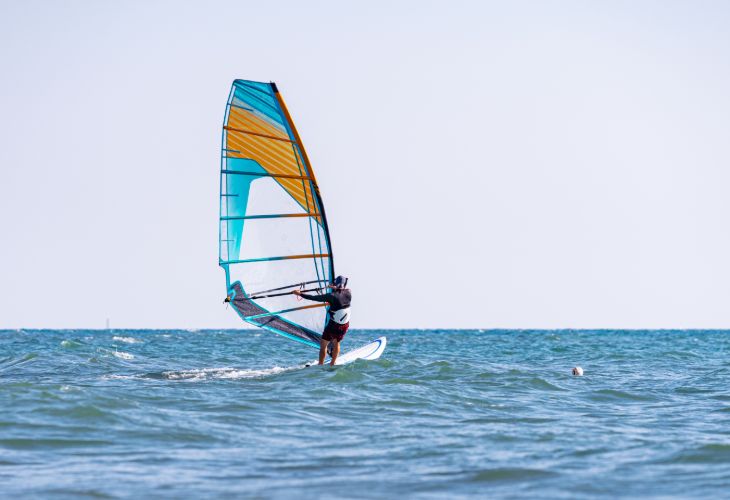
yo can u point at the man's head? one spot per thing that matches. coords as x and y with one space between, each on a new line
340 282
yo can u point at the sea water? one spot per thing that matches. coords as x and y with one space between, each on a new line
443 414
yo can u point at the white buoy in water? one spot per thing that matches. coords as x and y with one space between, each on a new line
578 371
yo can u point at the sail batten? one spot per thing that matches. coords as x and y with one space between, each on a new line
273 228
267 174
280 257
268 216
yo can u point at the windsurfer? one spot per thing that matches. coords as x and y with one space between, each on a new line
339 316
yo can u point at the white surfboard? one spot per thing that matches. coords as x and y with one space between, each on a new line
370 351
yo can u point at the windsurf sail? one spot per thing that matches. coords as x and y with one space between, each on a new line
273 228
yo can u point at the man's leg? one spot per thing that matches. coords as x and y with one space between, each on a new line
322 350
335 351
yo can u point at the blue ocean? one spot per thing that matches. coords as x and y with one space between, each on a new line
443 414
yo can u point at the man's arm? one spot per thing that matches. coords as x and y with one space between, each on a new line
327 297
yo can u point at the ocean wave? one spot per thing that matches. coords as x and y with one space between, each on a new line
199 374
9 362
509 474
228 373
605 395
707 453
126 340
23 443
121 377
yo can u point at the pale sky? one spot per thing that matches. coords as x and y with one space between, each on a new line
554 164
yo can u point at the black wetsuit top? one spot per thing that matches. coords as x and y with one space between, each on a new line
337 299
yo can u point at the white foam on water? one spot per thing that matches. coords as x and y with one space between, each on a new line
126 340
120 377
224 373
123 355
197 375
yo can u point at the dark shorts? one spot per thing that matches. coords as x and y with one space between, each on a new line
335 331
